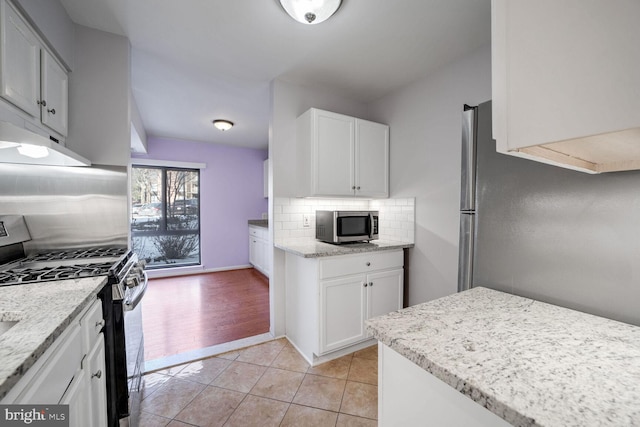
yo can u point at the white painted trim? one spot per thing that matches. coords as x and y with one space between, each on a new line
190 269
167 163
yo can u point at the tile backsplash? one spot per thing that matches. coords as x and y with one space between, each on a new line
396 222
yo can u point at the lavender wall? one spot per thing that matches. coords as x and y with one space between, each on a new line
231 189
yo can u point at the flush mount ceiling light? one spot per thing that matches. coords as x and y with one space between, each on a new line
310 11
223 124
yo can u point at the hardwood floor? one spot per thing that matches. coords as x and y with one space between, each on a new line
187 313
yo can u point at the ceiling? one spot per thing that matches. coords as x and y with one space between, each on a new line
198 60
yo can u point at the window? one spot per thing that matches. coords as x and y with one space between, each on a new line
165 215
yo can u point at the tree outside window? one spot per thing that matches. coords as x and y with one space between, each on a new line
165 220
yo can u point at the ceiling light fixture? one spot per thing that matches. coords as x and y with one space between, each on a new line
223 124
310 11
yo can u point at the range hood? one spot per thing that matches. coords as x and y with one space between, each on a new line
19 145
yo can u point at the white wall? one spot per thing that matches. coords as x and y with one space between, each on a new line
425 122
54 26
99 91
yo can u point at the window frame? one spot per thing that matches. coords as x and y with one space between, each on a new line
163 229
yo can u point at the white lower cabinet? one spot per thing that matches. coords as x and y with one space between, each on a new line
329 299
408 395
77 399
259 253
71 372
342 312
97 385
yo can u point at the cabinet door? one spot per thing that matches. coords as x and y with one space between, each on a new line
342 312
253 247
333 154
55 89
20 62
54 378
78 399
384 293
372 159
97 385
263 256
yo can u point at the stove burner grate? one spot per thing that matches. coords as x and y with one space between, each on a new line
78 254
33 275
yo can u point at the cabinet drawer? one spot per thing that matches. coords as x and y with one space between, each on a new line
92 323
259 232
55 376
361 263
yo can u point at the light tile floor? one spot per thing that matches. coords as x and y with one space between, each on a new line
265 385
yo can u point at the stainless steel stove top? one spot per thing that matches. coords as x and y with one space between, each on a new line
67 264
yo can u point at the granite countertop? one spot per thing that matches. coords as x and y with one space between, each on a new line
259 222
315 248
43 311
531 363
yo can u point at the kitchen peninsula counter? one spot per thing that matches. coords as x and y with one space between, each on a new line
528 362
315 249
43 311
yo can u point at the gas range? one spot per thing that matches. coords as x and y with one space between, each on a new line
121 304
67 264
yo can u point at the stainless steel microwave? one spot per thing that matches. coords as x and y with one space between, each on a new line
346 226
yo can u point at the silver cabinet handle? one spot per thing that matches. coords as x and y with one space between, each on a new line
353 187
100 323
52 111
370 283
368 264
358 187
365 284
97 374
43 103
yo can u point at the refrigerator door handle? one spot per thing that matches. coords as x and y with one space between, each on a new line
468 174
465 255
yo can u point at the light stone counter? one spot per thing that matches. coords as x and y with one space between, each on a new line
531 363
315 248
43 311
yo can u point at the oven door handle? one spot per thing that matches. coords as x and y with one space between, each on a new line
131 303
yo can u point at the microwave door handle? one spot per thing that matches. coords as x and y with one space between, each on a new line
370 226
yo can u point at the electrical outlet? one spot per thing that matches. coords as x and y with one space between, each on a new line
306 220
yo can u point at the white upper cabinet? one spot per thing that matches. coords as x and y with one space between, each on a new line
55 90
30 77
342 156
372 159
566 82
20 56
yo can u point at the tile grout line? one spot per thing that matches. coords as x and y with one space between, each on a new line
267 367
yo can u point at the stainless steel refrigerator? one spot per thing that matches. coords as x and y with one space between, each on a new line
547 233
